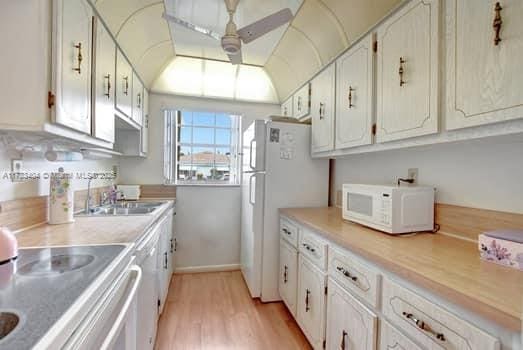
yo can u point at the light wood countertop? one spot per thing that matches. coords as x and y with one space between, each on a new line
444 265
92 230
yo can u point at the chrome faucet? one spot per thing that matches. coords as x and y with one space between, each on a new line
88 198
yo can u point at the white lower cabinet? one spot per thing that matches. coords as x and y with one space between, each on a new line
350 325
391 338
288 280
164 260
311 302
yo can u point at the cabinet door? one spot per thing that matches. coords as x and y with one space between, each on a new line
484 77
123 88
145 124
354 96
72 65
103 84
322 110
137 114
286 108
148 303
350 325
407 85
288 285
311 302
301 102
390 338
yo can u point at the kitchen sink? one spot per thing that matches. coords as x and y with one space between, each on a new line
124 209
8 323
56 264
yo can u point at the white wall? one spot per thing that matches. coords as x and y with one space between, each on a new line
484 174
36 163
208 218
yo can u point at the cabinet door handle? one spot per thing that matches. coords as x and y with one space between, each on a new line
346 273
126 86
284 111
299 103
322 110
139 104
307 293
79 58
350 97
423 326
286 231
401 71
285 268
175 245
165 261
343 336
172 246
497 23
108 78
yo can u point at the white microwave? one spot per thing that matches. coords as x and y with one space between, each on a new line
390 209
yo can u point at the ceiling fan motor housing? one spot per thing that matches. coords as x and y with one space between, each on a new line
231 44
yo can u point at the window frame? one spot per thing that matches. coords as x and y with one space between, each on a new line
173 146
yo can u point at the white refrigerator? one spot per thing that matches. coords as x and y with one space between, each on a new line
277 172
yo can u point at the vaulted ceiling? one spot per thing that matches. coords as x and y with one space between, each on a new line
320 30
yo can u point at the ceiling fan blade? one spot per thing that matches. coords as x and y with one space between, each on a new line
236 59
192 27
265 25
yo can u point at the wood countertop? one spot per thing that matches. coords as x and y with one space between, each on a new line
447 266
91 230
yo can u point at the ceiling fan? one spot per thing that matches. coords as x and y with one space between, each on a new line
231 41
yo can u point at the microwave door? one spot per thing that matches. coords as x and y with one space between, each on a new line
360 205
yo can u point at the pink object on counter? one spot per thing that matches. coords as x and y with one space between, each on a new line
8 245
8 255
504 247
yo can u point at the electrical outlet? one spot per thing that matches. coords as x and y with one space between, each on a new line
16 169
412 173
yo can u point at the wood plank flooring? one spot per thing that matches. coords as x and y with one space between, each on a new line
215 311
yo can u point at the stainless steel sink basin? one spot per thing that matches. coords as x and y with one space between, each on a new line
124 209
56 265
8 323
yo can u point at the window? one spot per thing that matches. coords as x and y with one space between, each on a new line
201 147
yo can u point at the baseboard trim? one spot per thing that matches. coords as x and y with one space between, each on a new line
208 268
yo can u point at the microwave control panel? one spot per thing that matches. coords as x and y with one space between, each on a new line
384 209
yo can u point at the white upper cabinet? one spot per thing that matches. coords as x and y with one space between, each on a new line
302 102
286 108
484 50
72 68
103 84
407 83
350 325
137 114
354 96
322 110
145 124
124 87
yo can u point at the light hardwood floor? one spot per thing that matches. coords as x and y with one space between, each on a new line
215 311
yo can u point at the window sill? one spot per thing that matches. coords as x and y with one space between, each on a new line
189 184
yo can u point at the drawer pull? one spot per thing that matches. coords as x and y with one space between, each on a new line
285 274
423 326
307 307
343 336
498 22
309 248
172 246
286 231
346 273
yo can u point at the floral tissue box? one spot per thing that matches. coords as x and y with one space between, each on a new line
504 247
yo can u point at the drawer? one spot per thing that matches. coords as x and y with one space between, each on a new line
429 324
356 276
289 232
391 338
313 247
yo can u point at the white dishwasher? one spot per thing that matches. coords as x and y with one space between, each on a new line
148 293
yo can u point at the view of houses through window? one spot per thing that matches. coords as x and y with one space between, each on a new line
206 147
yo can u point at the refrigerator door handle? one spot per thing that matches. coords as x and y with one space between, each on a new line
253 167
250 189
